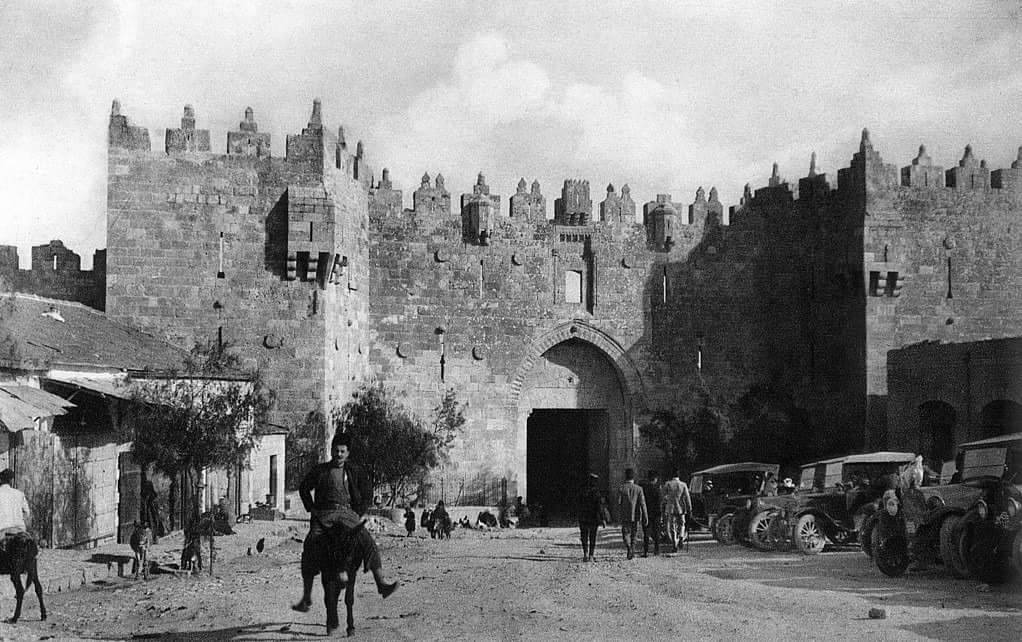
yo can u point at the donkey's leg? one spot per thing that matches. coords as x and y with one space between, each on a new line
33 579
349 599
331 594
19 593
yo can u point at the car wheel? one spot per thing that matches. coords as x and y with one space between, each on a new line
866 535
779 533
890 547
809 539
724 530
978 545
759 530
949 551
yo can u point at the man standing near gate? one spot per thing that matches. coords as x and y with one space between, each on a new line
651 491
631 509
677 504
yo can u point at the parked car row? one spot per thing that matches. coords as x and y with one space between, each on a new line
973 525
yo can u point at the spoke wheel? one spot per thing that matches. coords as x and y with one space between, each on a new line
809 539
949 551
779 533
725 532
759 530
890 549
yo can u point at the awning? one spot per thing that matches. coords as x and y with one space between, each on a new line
101 385
20 406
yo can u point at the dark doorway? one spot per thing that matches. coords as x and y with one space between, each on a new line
1001 417
936 432
562 448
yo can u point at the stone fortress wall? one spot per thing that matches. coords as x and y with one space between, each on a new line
56 273
318 272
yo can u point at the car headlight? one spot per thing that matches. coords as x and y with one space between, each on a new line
1012 508
981 509
934 502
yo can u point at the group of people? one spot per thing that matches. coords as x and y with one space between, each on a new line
437 522
650 505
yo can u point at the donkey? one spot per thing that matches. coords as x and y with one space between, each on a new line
141 539
339 561
18 553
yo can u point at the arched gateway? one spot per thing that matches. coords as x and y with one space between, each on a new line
574 398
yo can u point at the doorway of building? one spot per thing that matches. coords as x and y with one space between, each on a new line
562 448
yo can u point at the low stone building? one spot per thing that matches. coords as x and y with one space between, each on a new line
66 374
944 394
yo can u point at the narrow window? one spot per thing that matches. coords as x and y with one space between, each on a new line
663 287
480 278
891 289
54 262
949 295
302 266
572 286
874 283
885 254
310 231
220 262
272 499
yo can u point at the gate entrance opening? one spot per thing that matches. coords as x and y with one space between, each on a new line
562 448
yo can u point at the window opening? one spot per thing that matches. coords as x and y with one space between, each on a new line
891 289
572 286
310 231
874 283
480 278
663 286
220 261
949 294
302 266
54 262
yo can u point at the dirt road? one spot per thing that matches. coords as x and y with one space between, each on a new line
531 584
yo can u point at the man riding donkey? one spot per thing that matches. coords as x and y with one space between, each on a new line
17 548
337 495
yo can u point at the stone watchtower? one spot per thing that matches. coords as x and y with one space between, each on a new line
574 207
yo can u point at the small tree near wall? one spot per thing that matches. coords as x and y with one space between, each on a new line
394 447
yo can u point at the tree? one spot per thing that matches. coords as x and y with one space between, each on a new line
690 441
394 447
202 417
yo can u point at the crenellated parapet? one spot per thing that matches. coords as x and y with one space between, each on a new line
247 140
528 205
431 200
970 174
384 200
661 220
617 209
124 136
480 211
867 171
922 172
1011 178
186 138
813 187
574 207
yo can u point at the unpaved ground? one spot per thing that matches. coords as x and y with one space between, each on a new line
531 584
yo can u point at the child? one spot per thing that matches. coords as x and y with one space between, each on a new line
409 521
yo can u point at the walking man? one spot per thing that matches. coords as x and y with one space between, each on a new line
651 491
337 495
592 513
14 510
677 504
631 506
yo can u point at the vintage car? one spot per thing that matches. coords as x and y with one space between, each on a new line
972 525
719 491
834 506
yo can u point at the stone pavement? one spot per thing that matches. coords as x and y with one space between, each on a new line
67 570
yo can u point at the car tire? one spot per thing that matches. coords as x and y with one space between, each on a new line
866 535
978 546
950 553
809 537
759 529
890 546
724 529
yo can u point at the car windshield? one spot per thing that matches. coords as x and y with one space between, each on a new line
868 474
999 462
737 483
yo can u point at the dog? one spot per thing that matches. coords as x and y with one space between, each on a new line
191 551
141 540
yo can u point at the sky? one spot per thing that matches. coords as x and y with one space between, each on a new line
665 96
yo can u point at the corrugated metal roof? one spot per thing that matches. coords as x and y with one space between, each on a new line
48 402
102 385
50 333
20 406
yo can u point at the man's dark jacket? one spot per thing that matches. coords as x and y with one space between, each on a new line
359 490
